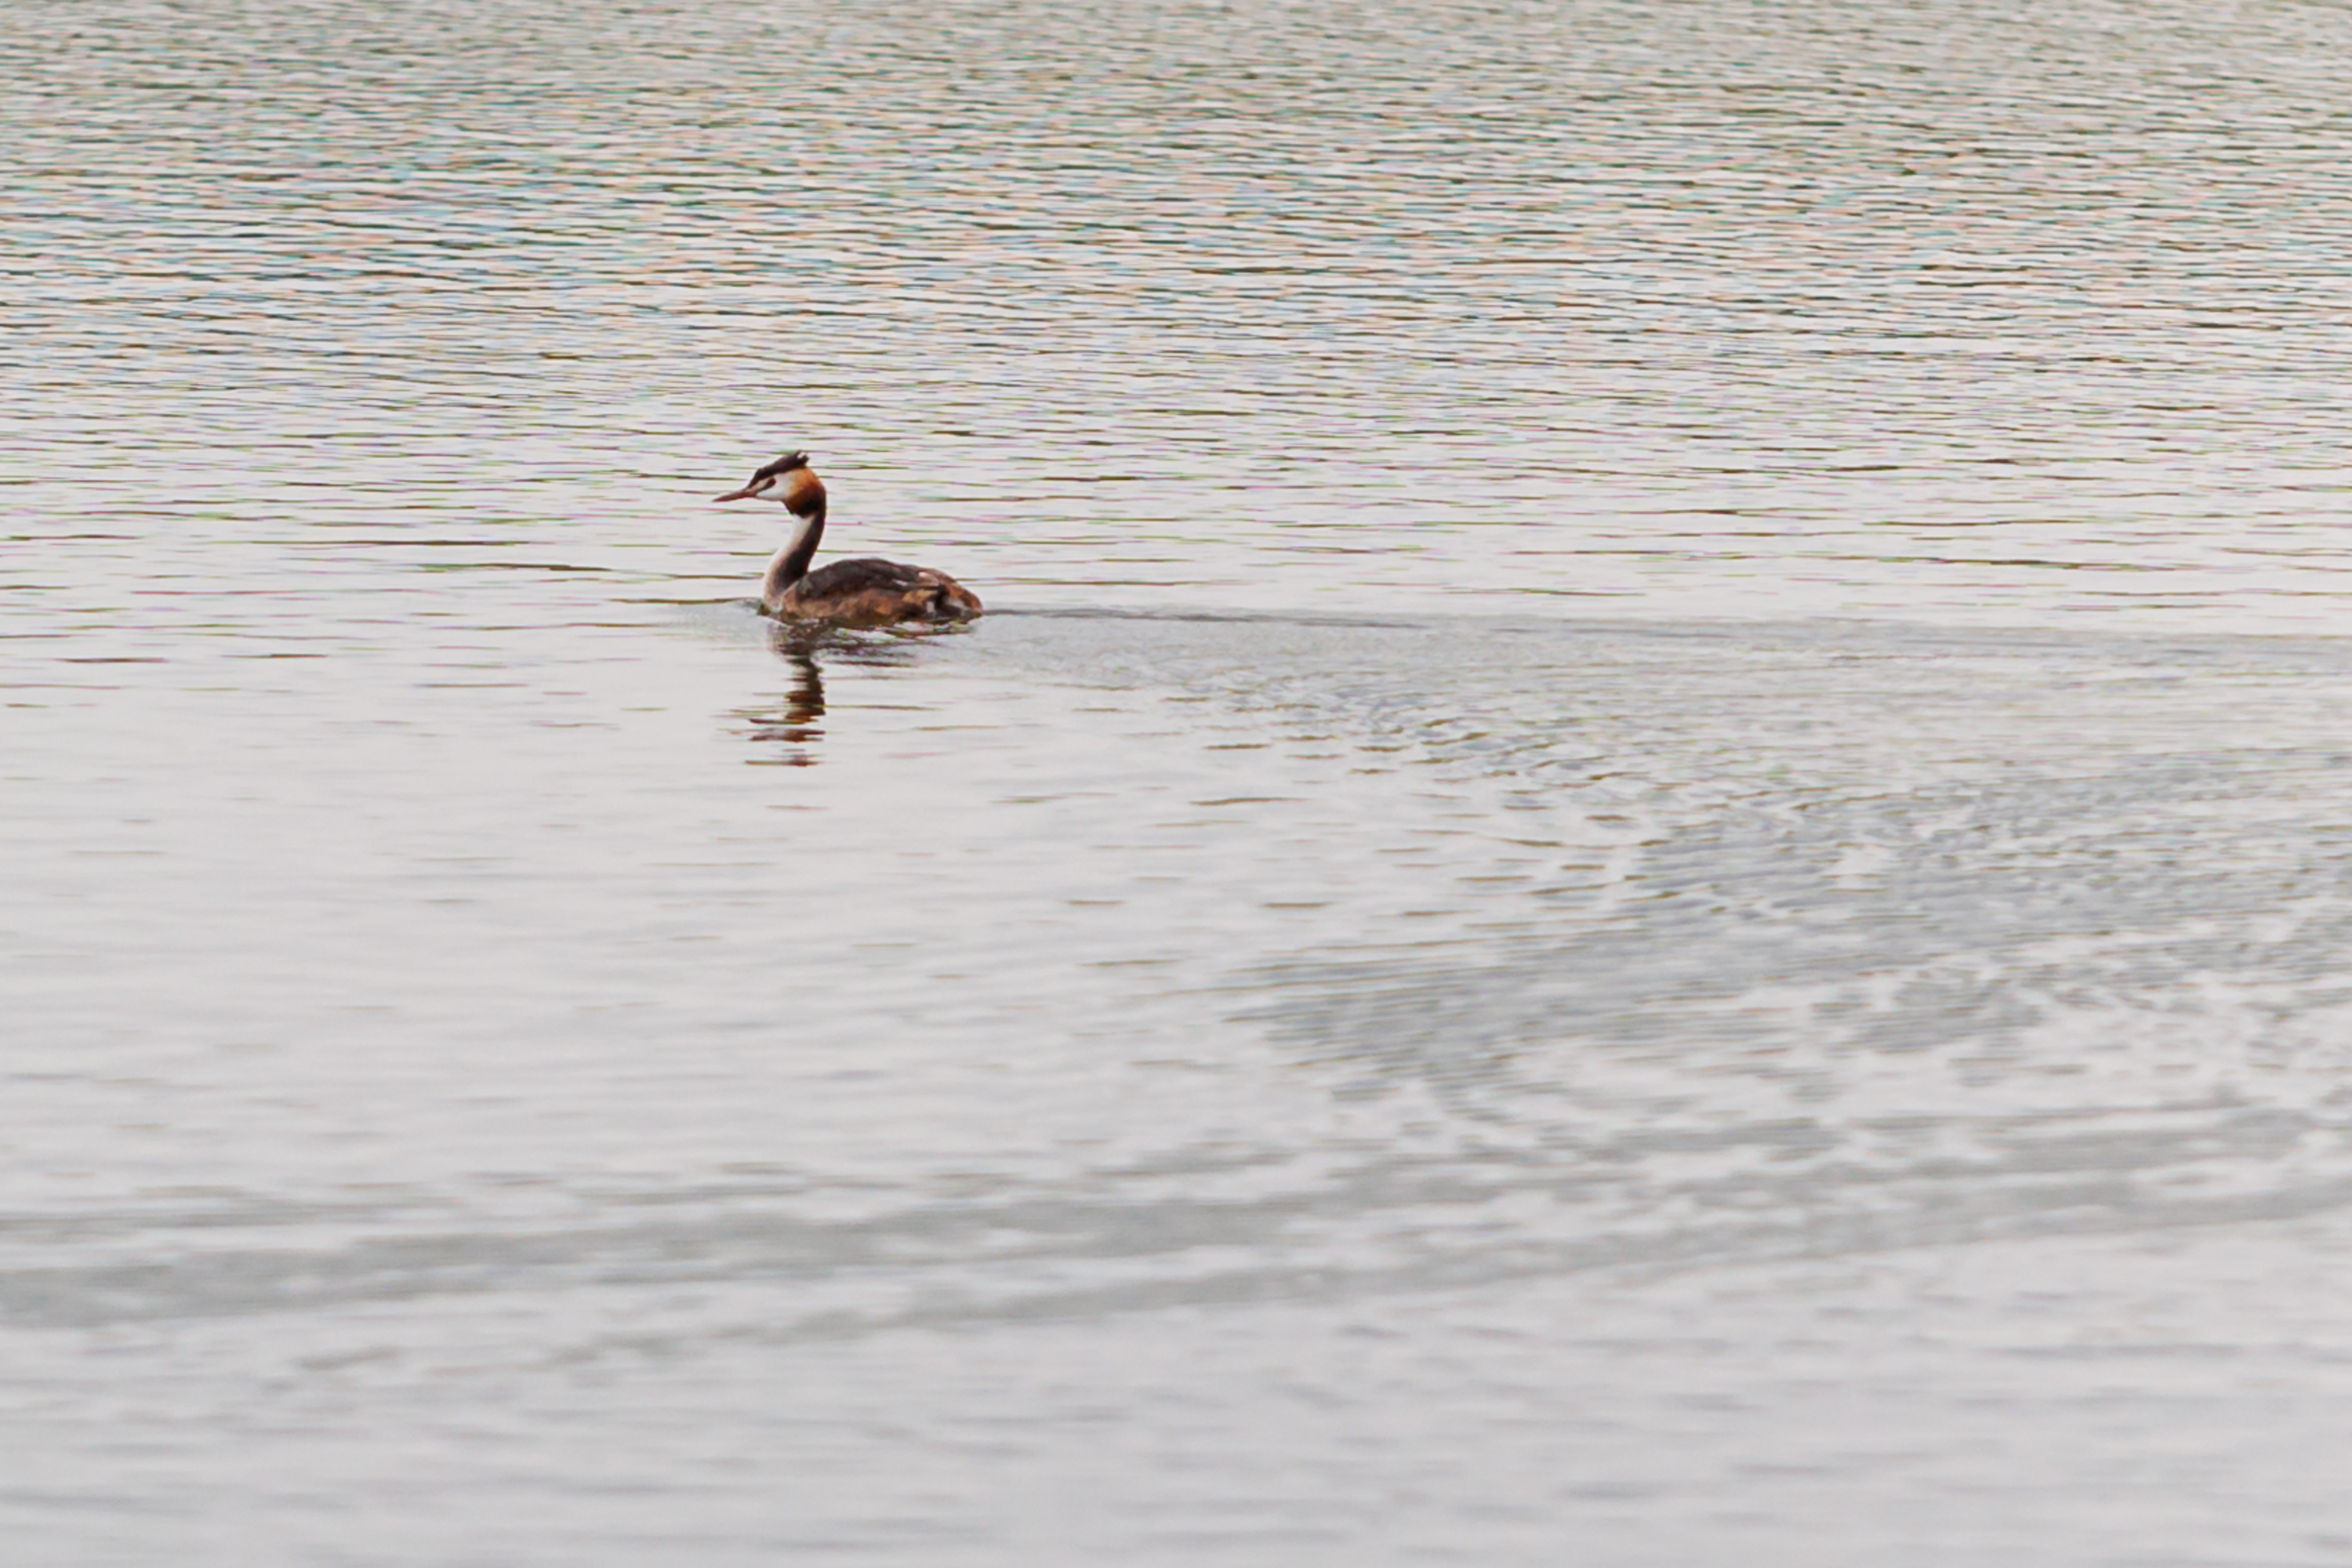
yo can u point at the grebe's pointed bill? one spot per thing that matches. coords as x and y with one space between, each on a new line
747 492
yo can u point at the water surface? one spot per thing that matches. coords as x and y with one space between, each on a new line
1647 862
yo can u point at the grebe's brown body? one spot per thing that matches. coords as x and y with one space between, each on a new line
864 592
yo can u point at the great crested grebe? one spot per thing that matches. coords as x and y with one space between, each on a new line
860 593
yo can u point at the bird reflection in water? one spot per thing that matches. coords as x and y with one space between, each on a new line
787 728
791 725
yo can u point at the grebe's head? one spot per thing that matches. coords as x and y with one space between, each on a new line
789 481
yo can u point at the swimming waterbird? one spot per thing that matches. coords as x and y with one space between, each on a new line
863 591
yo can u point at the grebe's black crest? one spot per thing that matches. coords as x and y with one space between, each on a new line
783 464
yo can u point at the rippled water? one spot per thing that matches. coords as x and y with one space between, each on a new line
1647 862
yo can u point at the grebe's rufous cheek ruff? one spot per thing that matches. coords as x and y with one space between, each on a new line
860 593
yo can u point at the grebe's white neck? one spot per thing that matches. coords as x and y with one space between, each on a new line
791 564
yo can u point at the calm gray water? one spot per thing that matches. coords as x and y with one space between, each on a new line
1651 862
